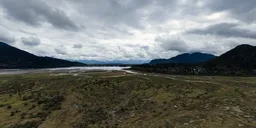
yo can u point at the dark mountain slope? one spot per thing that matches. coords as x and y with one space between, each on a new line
185 59
241 57
11 57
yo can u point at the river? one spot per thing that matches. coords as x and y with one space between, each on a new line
68 69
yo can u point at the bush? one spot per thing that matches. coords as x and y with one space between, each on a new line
12 114
32 107
25 104
42 114
9 107
42 101
22 116
30 97
32 115
17 111
53 103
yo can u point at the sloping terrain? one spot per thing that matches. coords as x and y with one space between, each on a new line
186 58
11 57
241 57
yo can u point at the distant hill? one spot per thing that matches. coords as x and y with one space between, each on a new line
241 57
11 57
186 58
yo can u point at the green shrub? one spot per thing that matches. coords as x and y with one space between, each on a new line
24 98
42 114
25 104
17 111
32 107
12 114
9 107
22 116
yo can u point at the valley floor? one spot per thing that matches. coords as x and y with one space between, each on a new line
121 99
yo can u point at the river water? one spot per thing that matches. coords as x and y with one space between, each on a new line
68 69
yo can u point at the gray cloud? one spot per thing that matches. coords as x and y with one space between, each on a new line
197 43
232 5
60 51
27 33
129 13
240 9
77 46
225 29
173 44
37 12
127 29
7 38
31 41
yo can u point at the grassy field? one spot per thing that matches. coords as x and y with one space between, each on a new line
119 99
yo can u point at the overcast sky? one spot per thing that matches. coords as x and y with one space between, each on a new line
126 29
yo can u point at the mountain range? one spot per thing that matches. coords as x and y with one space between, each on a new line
11 57
241 57
239 61
186 58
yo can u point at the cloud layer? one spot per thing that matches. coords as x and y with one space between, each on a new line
226 30
36 13
7 38
31 41
126 29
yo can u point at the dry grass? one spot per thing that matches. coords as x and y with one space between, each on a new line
116 99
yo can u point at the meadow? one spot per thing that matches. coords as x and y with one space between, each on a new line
119 99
